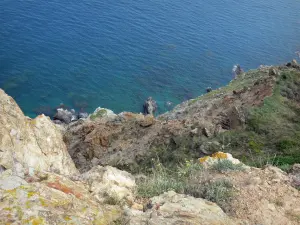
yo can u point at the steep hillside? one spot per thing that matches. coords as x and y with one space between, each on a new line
255 117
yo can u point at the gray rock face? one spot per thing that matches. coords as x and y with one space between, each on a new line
11 182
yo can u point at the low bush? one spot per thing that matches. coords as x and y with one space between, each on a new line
227 165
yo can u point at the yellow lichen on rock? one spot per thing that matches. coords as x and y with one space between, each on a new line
203 159
220 155
208 161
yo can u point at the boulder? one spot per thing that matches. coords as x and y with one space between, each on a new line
209 161
107 183
208 89
147 121
102 113
33 143
171 208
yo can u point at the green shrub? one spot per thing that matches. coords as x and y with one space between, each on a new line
255 146
219 191
286 167
286 144
226 165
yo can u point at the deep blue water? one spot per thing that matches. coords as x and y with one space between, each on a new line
115 54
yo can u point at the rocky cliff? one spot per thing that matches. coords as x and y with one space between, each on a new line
32 143
175 180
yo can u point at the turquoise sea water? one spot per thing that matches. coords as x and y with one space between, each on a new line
115 54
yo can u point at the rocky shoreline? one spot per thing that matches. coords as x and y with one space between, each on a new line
98 168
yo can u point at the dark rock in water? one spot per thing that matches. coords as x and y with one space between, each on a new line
237 70
208 89
83 115
63 115
293 64
149 106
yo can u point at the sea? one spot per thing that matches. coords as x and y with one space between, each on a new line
115 54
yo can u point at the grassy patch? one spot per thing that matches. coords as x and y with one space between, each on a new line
219 191
272 133
189 178
227 165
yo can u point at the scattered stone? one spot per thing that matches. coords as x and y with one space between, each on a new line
206 132
194 131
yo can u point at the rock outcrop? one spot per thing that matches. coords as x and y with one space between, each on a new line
33 143
49 198
110 184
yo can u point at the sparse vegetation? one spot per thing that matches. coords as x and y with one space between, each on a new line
227 165
113 200
219 191
272 133
189 178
